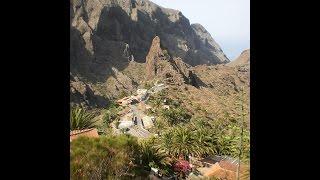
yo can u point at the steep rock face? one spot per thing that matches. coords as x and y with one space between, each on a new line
160 65
110 41
113 31
155 55
222 79
210 50
84 95
187 73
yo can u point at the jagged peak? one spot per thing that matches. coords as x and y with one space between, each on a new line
156 43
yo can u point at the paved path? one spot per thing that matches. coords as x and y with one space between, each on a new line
138 129
139 132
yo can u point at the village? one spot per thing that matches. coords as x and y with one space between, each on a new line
136 122
133 119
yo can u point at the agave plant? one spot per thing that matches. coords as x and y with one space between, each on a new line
80 119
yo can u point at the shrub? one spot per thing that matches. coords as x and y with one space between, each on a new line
182 166
123 94
147 85
150 156
176 115
102 158
110 114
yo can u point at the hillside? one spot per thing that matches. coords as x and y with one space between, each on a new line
157 91
243 59
111 38
113 54
205 91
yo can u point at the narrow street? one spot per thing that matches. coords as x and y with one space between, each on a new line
138 129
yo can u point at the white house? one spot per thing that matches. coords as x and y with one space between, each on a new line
125 124
142 91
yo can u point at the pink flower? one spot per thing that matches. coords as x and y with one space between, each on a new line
182 166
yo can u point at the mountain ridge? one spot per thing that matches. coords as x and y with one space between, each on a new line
111 58
242 59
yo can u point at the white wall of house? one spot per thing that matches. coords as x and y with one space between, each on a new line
125 124
147 122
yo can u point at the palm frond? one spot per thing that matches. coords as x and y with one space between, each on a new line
80 119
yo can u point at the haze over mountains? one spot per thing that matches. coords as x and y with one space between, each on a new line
118 46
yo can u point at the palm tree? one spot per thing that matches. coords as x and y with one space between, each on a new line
204 141
80 119
226 145
183 143
199 123
150 154
160 125
165 142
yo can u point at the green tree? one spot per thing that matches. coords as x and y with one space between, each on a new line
110 114
183 143
188 140
160 125
205 142
157 102
123 94
152 157
226 145
165 142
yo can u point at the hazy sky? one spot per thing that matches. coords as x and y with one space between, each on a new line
228 21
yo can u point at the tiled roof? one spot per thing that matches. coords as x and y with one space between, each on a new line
218 172
75 132
93 132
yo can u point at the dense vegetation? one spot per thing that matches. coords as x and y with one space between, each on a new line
115 157
103 158
109 115
123 156
201 138
179 135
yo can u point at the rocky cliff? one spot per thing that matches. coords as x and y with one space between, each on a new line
118 46
115 31
161 66
155 55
